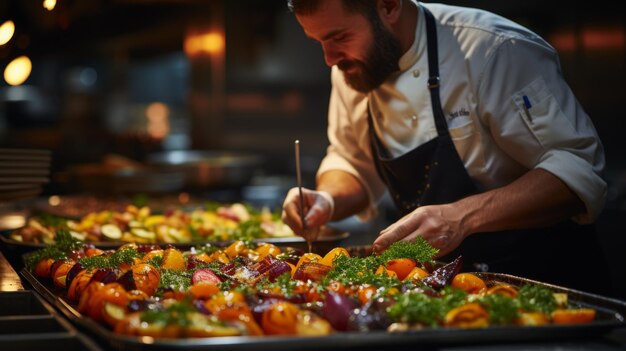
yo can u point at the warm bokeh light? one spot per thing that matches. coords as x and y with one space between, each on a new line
183 198
54 200
7 29
49 4
609 38
18 70
590 38
157 114
204 43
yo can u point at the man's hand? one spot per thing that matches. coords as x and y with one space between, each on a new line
318 210
536 199
437 224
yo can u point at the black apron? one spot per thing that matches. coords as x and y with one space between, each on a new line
433 173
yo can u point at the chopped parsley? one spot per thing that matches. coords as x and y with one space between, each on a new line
174 314
52 221
65 244
175 280
502 309
155 261
419 250
126 255
283 283
355 271
416 307
536 298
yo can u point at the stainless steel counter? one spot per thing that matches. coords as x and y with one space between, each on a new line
9 280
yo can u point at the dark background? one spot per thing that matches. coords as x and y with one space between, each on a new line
98 64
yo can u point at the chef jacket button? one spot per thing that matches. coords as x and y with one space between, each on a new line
416 73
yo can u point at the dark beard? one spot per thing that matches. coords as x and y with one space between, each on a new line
380 61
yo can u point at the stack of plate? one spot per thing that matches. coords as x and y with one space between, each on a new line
23 173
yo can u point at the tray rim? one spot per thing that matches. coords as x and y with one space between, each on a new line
349 340
333 236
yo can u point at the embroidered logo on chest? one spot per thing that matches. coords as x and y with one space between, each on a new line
463 112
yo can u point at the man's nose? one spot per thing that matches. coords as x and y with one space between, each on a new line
331 55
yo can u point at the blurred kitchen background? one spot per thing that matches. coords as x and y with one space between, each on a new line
120 84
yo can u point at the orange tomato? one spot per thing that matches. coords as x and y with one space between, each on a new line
503 289
146 278
92 251
203 290
58 272
308 257
416 274
241 312
222 299
43 268
365 293
573 316
280 319
150 255
383 270
85 298
532 319
79 284
267 249
471 315
468 282
220 256
113 293
173 259
332 254
235 248
402 266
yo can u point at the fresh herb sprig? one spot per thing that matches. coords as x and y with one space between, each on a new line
64 245
419 250
127 255
356 270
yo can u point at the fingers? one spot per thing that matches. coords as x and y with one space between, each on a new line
291 211
316 207
407 227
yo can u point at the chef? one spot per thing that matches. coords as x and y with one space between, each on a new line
464 117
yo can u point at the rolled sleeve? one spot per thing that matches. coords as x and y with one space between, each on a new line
543 125
578 175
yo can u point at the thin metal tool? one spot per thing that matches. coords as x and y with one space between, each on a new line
299 177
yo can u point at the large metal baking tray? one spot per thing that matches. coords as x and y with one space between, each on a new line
610 315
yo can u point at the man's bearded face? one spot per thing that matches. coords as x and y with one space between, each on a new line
381 59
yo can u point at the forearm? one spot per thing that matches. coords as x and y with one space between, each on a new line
534 200
348 193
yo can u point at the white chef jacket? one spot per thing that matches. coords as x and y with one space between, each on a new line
508 109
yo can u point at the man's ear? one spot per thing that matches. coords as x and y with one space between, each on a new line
389 10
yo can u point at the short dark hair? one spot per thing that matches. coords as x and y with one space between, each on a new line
305 7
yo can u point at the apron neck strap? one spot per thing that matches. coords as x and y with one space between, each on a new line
433 72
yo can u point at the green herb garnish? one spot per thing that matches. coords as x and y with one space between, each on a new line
501 309
65 244
175 280
536 298
126 255
419 250
52 221
283 283
417 307
174 314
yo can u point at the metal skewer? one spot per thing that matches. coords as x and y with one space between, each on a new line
299 177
